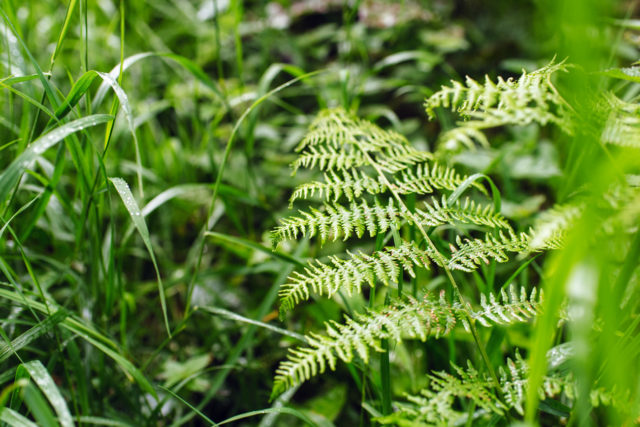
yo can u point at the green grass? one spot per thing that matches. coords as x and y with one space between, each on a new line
144 159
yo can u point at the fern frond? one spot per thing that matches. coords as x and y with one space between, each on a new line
339 140
531 98
533 88
352 184
338 221
469 384
393 161
464 135
469 254
551 226
338 128
411 319
424 178
510 307
328 159
466 212
622 127
351 274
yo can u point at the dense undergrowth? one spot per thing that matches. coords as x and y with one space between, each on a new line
461 250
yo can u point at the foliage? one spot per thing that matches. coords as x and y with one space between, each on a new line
143 156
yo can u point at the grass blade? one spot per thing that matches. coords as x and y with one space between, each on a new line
87 333
41 377
6 349
15 419
233 316
138 220
282 256
283 410
80 87
9 178
39 407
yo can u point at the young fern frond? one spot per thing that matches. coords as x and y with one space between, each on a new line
328 159
436 404
411 319
466 212
352 184
337 128
552 225
338 221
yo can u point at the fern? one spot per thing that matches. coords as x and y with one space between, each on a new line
349 150
622 126
436 404
350 275
469 254
338 221
411 319
371 175
530 98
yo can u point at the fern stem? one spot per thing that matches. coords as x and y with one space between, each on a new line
385 378
442 260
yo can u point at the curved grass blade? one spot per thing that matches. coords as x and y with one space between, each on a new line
63 32
233 316
38 406
80 87
43 379
98 421
128 112
9 178
29 99
138 220
10 81
283 410
472 181
190 406
187 64
225 158
282 256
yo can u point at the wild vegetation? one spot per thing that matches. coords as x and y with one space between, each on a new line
319 213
